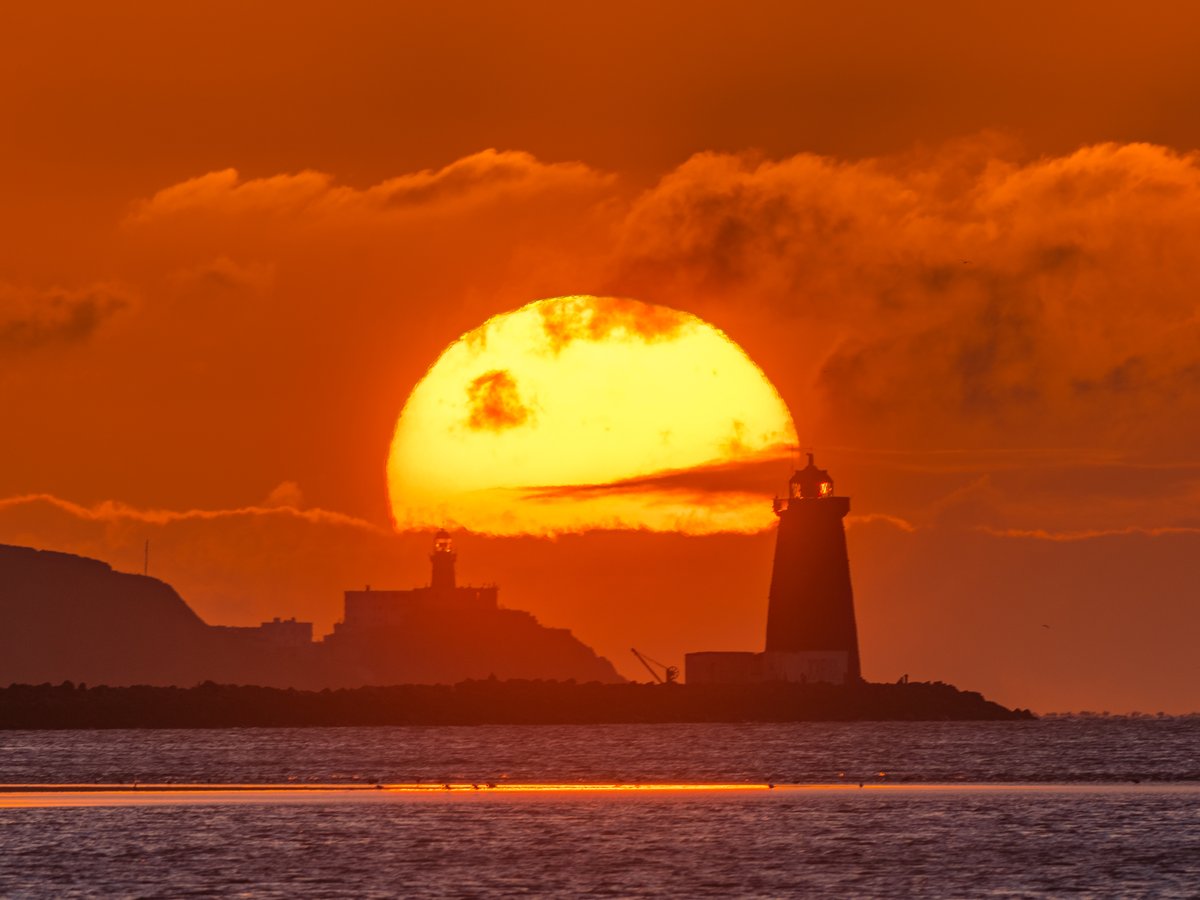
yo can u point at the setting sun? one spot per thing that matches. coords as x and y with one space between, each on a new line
583 412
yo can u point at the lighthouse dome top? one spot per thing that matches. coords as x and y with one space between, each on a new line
810 483
442 542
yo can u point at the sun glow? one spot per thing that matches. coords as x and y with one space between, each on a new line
579 413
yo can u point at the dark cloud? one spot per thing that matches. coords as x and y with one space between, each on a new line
760 475
952 296
31 318
494 402
596 318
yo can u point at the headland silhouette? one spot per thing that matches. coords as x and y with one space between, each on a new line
70 618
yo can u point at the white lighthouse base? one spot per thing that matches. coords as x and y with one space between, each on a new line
740 667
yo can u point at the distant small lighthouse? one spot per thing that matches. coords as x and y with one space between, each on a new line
811 603
443 558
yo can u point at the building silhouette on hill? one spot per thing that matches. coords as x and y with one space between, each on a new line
278 632
811 629
367 609
446 632
69 618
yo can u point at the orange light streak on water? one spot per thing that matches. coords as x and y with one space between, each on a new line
30 796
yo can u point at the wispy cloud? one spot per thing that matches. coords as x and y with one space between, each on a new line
116 511
971 460
1087 535
871 518
310 194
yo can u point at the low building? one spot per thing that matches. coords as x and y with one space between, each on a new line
723 667
278 632
287 632
747 667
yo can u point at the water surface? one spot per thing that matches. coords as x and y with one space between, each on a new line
1056 750
1101 807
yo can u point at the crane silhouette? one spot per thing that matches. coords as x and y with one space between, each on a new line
671 673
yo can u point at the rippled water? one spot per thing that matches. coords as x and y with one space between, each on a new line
1055 750
1128 824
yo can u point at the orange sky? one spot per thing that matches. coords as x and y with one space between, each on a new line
960 241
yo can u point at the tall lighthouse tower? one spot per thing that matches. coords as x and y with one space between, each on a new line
811 604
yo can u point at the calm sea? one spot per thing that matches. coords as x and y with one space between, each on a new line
1087 806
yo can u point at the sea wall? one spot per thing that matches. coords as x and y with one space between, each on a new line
486 702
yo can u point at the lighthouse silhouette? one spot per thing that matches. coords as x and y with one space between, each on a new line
443 558
810 603
811 631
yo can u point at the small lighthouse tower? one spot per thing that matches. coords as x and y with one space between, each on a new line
443 558
811 604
